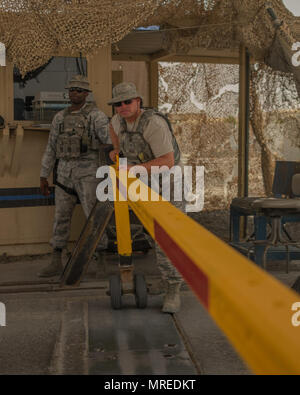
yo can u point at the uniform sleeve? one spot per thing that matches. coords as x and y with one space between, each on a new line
115 123
49 157
158 136
100 123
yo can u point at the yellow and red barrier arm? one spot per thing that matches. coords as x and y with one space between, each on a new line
251 307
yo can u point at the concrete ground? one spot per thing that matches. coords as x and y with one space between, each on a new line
50 330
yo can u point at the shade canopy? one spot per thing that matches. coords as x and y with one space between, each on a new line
34 30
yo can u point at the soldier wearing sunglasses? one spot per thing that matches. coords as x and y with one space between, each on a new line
75 139
146 139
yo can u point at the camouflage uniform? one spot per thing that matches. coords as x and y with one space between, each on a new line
78 174
143 136
137 150
168 271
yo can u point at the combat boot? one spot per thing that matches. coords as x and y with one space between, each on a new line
172 298
55 267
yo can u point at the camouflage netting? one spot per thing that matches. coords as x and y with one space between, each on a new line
203 103
33 30
231 23
274 118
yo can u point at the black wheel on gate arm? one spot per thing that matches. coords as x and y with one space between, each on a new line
140 288
115 288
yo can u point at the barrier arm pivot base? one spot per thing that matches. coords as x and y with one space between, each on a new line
253 309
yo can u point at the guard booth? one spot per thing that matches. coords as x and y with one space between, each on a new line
201 36
30 217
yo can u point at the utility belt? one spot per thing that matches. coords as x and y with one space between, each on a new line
72 147
70 191
103 150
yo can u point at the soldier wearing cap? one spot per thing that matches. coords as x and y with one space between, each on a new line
145 138
75 138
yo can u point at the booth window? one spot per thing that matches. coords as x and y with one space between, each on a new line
41 93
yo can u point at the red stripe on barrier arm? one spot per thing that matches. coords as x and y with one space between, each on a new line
191 273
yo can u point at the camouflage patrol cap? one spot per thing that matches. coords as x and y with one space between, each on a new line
124 91
79 81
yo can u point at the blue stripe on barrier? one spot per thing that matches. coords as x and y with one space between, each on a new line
26 197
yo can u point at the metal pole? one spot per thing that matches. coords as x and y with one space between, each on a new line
243 141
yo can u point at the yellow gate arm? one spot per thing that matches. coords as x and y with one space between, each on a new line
251 307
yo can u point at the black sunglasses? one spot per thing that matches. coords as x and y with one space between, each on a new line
124 101
79 90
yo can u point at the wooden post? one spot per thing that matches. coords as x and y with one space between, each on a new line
16 156
7 92
4 150
243 140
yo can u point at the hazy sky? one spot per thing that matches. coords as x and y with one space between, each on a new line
293 6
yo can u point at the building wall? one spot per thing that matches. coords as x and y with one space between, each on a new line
136 72
28 230
24 226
